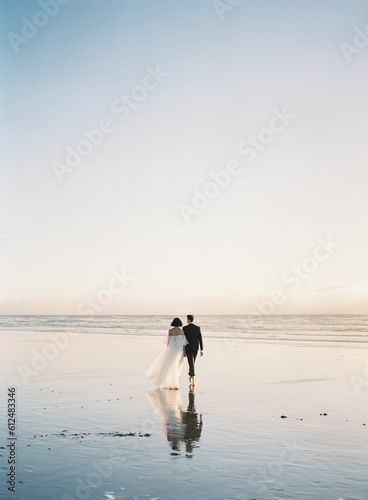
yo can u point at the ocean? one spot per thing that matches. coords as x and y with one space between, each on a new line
317 328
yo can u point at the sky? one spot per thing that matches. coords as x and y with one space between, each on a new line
160 157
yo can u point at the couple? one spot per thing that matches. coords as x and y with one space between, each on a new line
181 342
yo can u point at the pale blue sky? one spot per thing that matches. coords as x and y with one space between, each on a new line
120 207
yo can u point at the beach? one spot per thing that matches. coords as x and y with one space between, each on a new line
173 171
267 419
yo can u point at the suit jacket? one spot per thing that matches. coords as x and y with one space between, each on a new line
194 337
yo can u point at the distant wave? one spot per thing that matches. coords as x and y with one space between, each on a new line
318 328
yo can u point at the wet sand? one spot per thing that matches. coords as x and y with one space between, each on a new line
267 420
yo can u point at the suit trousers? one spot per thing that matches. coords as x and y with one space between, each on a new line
191 357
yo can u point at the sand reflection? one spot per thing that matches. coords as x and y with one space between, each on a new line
183 428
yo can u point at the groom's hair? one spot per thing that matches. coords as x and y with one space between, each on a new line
190 317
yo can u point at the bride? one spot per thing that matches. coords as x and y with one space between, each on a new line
166 368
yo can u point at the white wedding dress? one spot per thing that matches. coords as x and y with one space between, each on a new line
166 368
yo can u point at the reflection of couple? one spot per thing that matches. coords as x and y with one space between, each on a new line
166 368
180 426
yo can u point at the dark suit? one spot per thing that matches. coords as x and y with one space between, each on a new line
188 429
192 425
194 337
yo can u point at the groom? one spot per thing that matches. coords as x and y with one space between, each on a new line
193 335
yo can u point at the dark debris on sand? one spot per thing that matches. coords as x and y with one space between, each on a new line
82 435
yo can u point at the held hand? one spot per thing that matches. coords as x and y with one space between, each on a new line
201 353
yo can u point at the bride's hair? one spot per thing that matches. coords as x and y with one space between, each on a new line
176 322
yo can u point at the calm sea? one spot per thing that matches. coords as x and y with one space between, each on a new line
326 328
